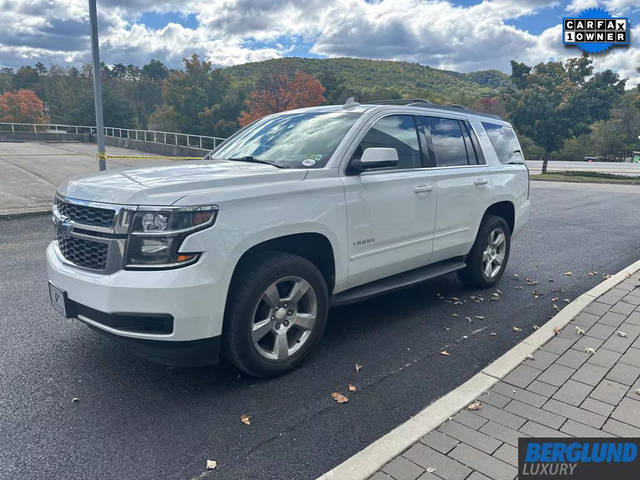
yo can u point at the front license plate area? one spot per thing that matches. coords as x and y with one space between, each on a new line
58 300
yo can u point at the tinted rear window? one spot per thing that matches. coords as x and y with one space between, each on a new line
504 142
448 141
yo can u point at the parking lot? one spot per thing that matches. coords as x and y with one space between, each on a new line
135 419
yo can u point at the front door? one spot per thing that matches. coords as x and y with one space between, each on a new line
390 211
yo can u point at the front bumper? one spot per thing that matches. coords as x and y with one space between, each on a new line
193 297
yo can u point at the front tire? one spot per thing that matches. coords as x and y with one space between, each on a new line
276 313
489 255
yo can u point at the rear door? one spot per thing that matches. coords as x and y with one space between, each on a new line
464 187
390 211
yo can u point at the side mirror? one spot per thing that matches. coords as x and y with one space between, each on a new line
376 157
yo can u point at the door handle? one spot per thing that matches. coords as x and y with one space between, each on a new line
423 189
481 181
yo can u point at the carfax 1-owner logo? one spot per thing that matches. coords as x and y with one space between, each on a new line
595 31
578 458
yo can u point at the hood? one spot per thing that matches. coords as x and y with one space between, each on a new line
166 184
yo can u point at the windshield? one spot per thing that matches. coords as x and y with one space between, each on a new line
294 140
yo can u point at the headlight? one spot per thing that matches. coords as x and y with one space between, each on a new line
156 235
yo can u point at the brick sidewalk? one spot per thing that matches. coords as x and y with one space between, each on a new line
565 389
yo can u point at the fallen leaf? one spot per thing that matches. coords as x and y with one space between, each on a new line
358 367
454 314
74 400
590 350
566 300
246 419
530 357
530 282
211 464
339 398
556 308
352 388
568 274
468 319
621 334
554 299
431 469
479 317
516 276
474 406
556 330
445 353
606 275
579 331
535 327
493 334
638 391
517 329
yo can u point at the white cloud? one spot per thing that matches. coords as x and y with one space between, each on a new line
433 32
616 7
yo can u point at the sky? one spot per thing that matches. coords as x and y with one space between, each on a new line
459 35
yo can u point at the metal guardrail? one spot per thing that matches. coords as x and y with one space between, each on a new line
151 136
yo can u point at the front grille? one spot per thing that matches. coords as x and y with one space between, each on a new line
99 217
84 253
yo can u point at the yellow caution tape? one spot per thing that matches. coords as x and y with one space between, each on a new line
103 156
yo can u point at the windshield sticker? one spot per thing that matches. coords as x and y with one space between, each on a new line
308 162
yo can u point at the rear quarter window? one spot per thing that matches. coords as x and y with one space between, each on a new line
504 142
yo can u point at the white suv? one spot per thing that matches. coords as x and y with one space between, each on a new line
242 254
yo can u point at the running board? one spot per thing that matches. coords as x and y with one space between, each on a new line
396 282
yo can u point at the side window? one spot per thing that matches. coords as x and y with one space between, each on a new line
471 153
448 141
395 131
504 142
475 143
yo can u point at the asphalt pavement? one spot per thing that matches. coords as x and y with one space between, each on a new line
135 419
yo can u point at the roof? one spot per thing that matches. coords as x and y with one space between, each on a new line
421 103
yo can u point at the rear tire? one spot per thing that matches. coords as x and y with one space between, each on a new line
276 313
489 255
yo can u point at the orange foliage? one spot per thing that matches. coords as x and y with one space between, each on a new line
279 92
22 106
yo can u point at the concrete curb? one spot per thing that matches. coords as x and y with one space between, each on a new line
24 213
368 461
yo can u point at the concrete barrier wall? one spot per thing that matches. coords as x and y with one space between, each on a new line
155 148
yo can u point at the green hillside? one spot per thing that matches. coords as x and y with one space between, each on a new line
375 79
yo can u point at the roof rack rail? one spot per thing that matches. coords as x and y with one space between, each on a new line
419 102
401 101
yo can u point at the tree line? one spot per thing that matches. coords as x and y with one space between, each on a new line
561 110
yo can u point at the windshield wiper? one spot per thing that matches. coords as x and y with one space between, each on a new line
251 159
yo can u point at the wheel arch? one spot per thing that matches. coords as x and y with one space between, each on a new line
504 209
313 246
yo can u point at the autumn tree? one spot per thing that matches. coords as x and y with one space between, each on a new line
198 100
22 106
491 105
276 93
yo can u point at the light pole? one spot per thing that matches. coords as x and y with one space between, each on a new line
97 84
